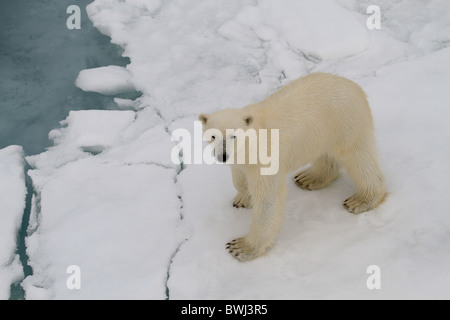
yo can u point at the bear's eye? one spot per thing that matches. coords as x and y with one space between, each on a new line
213 137
233 137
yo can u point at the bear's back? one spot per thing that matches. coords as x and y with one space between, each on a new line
316 113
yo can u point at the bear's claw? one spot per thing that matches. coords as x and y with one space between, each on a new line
358 204
242 250
308 181
242 200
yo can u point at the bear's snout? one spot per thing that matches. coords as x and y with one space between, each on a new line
220 152
222 157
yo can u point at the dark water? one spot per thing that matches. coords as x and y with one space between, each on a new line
39 61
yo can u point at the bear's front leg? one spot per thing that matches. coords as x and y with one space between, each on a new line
268 194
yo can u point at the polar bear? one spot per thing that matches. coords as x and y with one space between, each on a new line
323 119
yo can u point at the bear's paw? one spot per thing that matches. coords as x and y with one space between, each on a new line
359 203
310 181
242 200
242 250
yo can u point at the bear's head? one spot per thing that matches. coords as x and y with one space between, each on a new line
221 128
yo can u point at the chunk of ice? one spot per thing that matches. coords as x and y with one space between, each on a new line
109 80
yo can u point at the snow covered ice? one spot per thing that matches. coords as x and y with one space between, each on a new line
109 199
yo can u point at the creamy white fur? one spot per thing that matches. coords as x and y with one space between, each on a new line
322 119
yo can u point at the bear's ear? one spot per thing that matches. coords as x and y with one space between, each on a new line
248 120
203 118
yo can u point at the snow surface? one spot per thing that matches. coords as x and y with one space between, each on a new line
12 204
110 200
92 129
105 239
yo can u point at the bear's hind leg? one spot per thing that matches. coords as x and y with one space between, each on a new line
363 168
322 173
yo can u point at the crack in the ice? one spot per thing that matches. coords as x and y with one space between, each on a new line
172 257
157 164
178 170
170 267
16 290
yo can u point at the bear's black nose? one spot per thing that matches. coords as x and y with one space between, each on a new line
222 157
